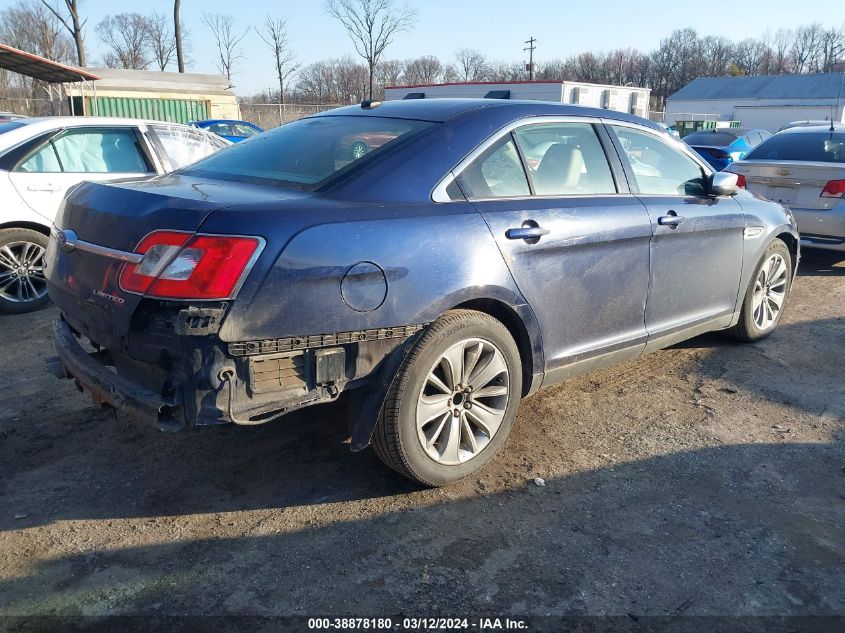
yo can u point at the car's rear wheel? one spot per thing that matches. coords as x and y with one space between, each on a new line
23 287
452 404
765 298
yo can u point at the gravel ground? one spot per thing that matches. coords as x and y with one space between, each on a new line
705 479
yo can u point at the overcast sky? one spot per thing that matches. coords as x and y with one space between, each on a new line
495 27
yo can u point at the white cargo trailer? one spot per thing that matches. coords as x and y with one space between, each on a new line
620 98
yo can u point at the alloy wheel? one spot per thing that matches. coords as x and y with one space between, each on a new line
463 401
769 292
22 272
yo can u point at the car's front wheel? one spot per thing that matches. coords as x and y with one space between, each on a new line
766 295
452 404
23 287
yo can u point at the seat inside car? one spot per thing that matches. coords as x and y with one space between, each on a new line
560 170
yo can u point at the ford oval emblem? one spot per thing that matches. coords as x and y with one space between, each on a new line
784 172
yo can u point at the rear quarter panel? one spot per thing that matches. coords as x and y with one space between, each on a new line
434 257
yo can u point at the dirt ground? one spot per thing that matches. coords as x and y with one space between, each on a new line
705 479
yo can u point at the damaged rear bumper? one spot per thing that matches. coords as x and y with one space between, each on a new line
107 388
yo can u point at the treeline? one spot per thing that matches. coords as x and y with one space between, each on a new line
149 41
679 59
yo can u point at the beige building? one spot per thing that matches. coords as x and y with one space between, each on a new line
146 94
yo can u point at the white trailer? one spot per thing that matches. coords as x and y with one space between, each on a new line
620 98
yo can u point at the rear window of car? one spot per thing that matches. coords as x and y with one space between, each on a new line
820 147
709 138
308 152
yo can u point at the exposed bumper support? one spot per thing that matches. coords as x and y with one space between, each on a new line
106 387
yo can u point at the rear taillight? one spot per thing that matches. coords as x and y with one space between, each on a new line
740 181
180 265
834 189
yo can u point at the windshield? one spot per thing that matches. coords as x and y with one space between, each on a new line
819 147
8 126
715 139
307 152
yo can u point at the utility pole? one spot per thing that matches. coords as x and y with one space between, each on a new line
530 48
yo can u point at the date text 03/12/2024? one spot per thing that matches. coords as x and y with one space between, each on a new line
418 624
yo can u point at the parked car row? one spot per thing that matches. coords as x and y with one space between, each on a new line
802 167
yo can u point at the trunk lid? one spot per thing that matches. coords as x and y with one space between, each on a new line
795 184
84 285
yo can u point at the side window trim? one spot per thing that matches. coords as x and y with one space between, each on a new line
528 178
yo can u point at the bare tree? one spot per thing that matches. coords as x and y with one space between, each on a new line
471 65
72 23
177 30
126 38
371 25
228 39
162 41
832 48
422 70
389 72
275 35
806 48
31 27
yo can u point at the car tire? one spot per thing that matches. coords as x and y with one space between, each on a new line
418 433
23 287
770 284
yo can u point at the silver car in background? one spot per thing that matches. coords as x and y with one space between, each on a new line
804 169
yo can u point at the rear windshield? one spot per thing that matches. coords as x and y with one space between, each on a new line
823 147
8 126
308 152
709 138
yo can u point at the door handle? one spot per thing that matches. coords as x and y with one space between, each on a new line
672 220
527 233
43 188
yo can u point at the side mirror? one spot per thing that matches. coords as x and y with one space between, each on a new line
723 183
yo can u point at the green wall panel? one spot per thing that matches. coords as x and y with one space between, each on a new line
173 110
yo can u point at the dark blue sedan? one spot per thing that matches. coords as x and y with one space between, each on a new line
229 129
722 146
480 250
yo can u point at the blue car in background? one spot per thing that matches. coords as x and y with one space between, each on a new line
432 281
231 130
723 146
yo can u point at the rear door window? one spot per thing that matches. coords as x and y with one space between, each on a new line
90 151
565 159
496 173
658 167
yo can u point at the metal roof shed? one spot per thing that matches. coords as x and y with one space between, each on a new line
767 101
166 96
54 74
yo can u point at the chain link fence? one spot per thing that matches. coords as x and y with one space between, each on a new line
268 115
34 107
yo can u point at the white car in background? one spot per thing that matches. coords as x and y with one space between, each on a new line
803 168
41 158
